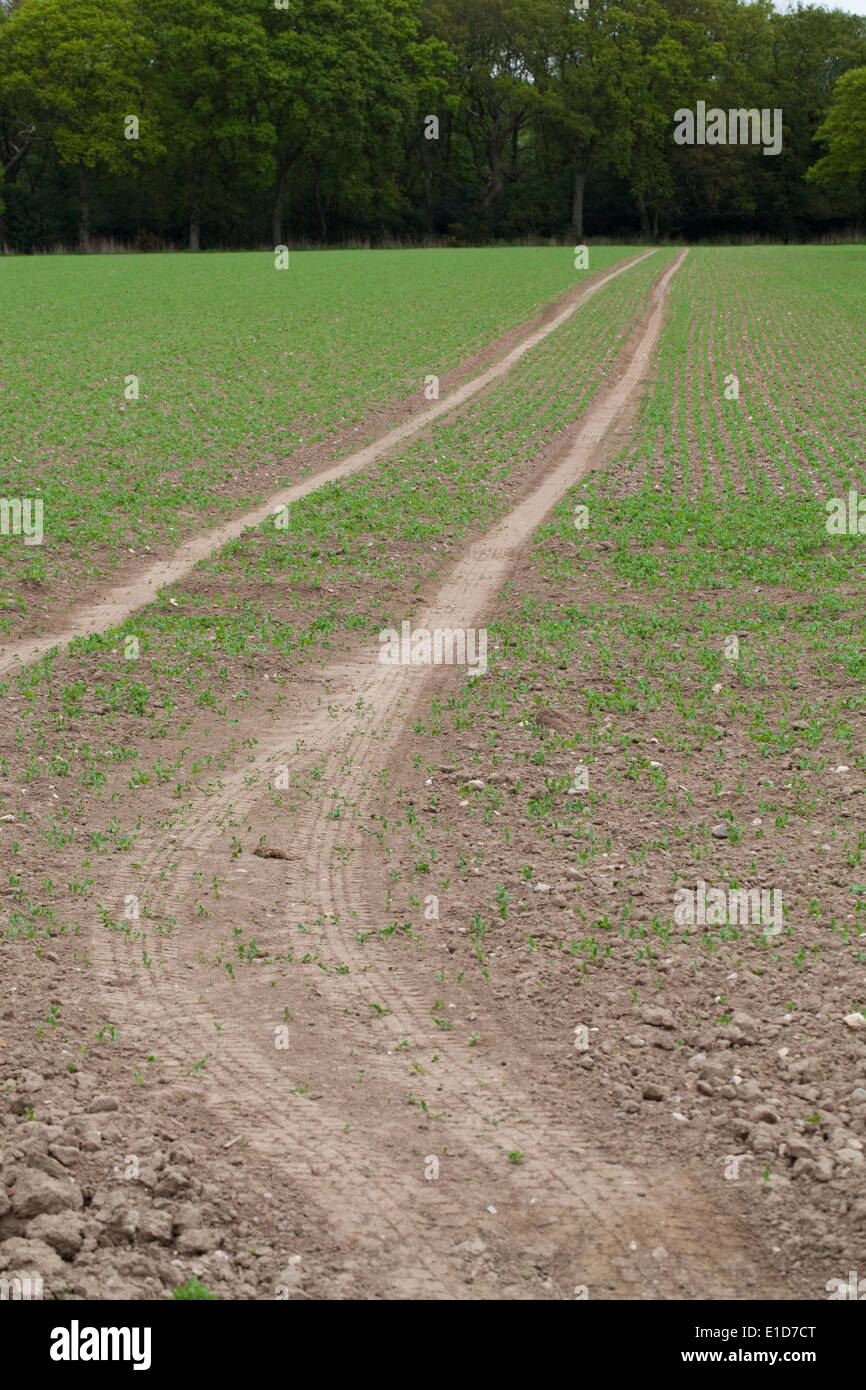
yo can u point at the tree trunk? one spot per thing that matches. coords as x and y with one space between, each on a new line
279 196
646 229
319 208
580 176
429 199
11 164
494 182
194 229
83 208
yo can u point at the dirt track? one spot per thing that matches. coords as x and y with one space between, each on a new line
583 1212
368 1127
126 598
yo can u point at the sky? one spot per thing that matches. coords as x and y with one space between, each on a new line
852 6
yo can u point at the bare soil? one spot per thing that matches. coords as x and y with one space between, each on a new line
354 1110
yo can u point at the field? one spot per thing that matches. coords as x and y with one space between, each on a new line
316 360
329 978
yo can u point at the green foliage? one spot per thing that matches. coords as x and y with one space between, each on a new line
550 118
844 131
82 66
193 1289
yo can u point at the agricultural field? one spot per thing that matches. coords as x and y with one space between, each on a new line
146 421
329 978
676 697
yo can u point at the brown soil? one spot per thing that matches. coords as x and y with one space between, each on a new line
335 1117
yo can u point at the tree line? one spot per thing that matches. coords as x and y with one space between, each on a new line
233 123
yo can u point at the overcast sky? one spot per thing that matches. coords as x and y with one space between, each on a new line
852 6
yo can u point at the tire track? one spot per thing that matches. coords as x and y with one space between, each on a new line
354 734
125 599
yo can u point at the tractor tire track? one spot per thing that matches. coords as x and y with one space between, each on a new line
584 1215
127 598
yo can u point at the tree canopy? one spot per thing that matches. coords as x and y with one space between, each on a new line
212 123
